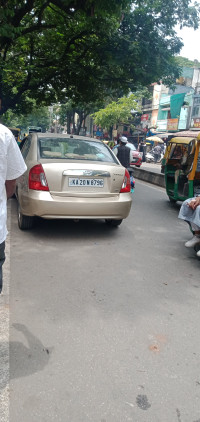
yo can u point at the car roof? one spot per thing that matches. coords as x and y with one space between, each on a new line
65 136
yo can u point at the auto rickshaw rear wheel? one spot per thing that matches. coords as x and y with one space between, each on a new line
172 200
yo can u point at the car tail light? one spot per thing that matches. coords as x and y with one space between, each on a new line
126 185
37 178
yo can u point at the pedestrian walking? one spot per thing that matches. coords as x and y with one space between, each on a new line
157 153
12 166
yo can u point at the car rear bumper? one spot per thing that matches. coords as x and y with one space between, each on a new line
42 204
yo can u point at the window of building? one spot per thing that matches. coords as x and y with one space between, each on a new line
196 101
196 111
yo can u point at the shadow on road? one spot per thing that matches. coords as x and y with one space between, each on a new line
26 360
67 228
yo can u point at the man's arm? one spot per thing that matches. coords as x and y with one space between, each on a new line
10 187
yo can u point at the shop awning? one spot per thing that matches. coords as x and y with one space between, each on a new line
176 102
187 133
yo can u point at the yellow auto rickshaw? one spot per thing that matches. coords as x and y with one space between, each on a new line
181 167
17 133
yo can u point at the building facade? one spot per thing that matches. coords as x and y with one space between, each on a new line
177 109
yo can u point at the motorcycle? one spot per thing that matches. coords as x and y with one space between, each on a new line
150 157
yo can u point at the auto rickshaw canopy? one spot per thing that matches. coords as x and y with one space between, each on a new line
181 140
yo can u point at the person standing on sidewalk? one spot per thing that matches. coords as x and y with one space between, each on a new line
12 166
142 149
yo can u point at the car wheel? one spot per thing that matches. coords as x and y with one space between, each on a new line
113 223
25 222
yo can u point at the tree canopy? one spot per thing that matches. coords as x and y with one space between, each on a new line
38 117
184 62
120 111
67 113
84 50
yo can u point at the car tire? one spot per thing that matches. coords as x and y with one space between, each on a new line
113 223
25 222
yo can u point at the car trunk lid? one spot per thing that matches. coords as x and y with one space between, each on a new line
81 179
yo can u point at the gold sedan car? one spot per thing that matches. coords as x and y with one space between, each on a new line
71 177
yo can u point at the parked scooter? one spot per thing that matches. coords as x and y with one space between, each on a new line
150 157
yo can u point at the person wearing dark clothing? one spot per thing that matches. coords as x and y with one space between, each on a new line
123 152
124 155
142 149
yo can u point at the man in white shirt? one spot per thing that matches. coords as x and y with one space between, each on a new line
12 166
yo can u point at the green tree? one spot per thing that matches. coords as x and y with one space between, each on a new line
184 62
67 113
37 117
73 49
118 112
47 48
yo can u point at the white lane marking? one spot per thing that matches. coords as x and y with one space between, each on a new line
4 331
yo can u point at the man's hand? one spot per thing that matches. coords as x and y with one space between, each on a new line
10 187
194 203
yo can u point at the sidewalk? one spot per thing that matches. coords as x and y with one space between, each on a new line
150 172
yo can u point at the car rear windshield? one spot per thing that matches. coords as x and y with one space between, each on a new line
74 149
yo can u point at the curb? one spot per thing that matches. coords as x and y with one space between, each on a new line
4 331
150 177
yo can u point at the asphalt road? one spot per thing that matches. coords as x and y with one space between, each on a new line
104 323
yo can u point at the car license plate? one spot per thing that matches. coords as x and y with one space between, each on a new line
76 181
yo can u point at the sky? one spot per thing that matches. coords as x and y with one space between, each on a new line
191 40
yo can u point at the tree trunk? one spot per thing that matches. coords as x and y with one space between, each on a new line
81 116
110 132
69 115
74 128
